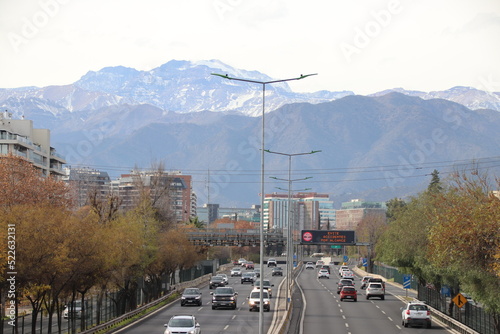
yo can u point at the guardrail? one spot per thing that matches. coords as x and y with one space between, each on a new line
177 287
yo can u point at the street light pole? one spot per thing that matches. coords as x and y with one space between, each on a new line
262 193
289 252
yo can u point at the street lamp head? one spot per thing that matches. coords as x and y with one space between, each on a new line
307 75
225 76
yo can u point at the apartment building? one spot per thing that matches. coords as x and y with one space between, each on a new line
170 190
353 212
18 137
84 181
308 210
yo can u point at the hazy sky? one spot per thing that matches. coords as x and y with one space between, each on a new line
364 46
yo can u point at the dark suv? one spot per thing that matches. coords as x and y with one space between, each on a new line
247 277
216 281
224 297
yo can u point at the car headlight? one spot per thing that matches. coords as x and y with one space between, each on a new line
192 332
183 297
252 302
197 297
267 302
231 298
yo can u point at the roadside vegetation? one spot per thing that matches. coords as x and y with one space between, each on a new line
449 235
63 253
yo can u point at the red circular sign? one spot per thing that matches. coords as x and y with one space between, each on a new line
307 236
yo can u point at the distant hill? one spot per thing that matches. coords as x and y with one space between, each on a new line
374 148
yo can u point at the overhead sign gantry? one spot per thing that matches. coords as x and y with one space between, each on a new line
327 237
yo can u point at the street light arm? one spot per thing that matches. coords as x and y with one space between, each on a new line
225 76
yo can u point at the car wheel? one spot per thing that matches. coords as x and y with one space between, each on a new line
250 310
405 324
429 325
341 299
367 297
383 297
234 307
213 307
267 310
355 299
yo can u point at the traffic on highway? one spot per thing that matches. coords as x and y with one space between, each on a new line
325 306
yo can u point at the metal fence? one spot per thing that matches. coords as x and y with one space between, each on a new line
97 313
393 273
472 316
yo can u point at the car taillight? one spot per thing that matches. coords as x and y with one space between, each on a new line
428 312
407 312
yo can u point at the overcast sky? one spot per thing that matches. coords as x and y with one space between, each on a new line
364 46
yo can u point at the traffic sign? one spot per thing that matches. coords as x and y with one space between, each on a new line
365 262
336 246
328 237
346 258
406 281
459 300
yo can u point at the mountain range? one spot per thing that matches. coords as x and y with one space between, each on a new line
373 147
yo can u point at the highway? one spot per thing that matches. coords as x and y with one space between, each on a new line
324 312
227 321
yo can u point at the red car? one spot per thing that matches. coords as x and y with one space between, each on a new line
348 292
249 265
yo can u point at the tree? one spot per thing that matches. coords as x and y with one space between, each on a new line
394 206
465 237
435 184
369 230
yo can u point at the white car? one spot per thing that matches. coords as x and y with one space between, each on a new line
323 273
347 274
182 324
236 271
375 290
416 313
254 300
310 265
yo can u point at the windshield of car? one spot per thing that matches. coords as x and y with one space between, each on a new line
191 291
256 294
217 278
265 283
348 288
418 307
375 285
181 322
226 291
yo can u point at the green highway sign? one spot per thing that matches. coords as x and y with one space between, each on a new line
336 246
